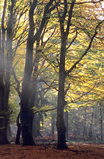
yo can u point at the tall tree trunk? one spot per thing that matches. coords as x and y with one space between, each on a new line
33 86
90 130
25 96
53 124
36 125
61 143
3 137
5 73
84 127
66 123
101 122
25 118
17 141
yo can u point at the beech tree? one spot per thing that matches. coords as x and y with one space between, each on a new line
10 39
72 23
66 21
5 67
25 96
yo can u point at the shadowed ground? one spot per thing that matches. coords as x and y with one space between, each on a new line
48 151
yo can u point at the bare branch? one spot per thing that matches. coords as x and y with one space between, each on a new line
46 16
72 40
67 89
70 16
49 37
65 10
86 51
17 82
44 93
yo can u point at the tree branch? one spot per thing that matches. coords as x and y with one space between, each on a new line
18 83
70 16
86 51
72 40
46 16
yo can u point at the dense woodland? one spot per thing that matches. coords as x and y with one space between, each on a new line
52 70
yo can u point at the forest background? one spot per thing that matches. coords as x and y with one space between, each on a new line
51 65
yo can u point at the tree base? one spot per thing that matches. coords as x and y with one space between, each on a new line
17 142
61 146
27 136
4 142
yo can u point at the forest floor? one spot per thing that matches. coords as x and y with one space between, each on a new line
48 151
